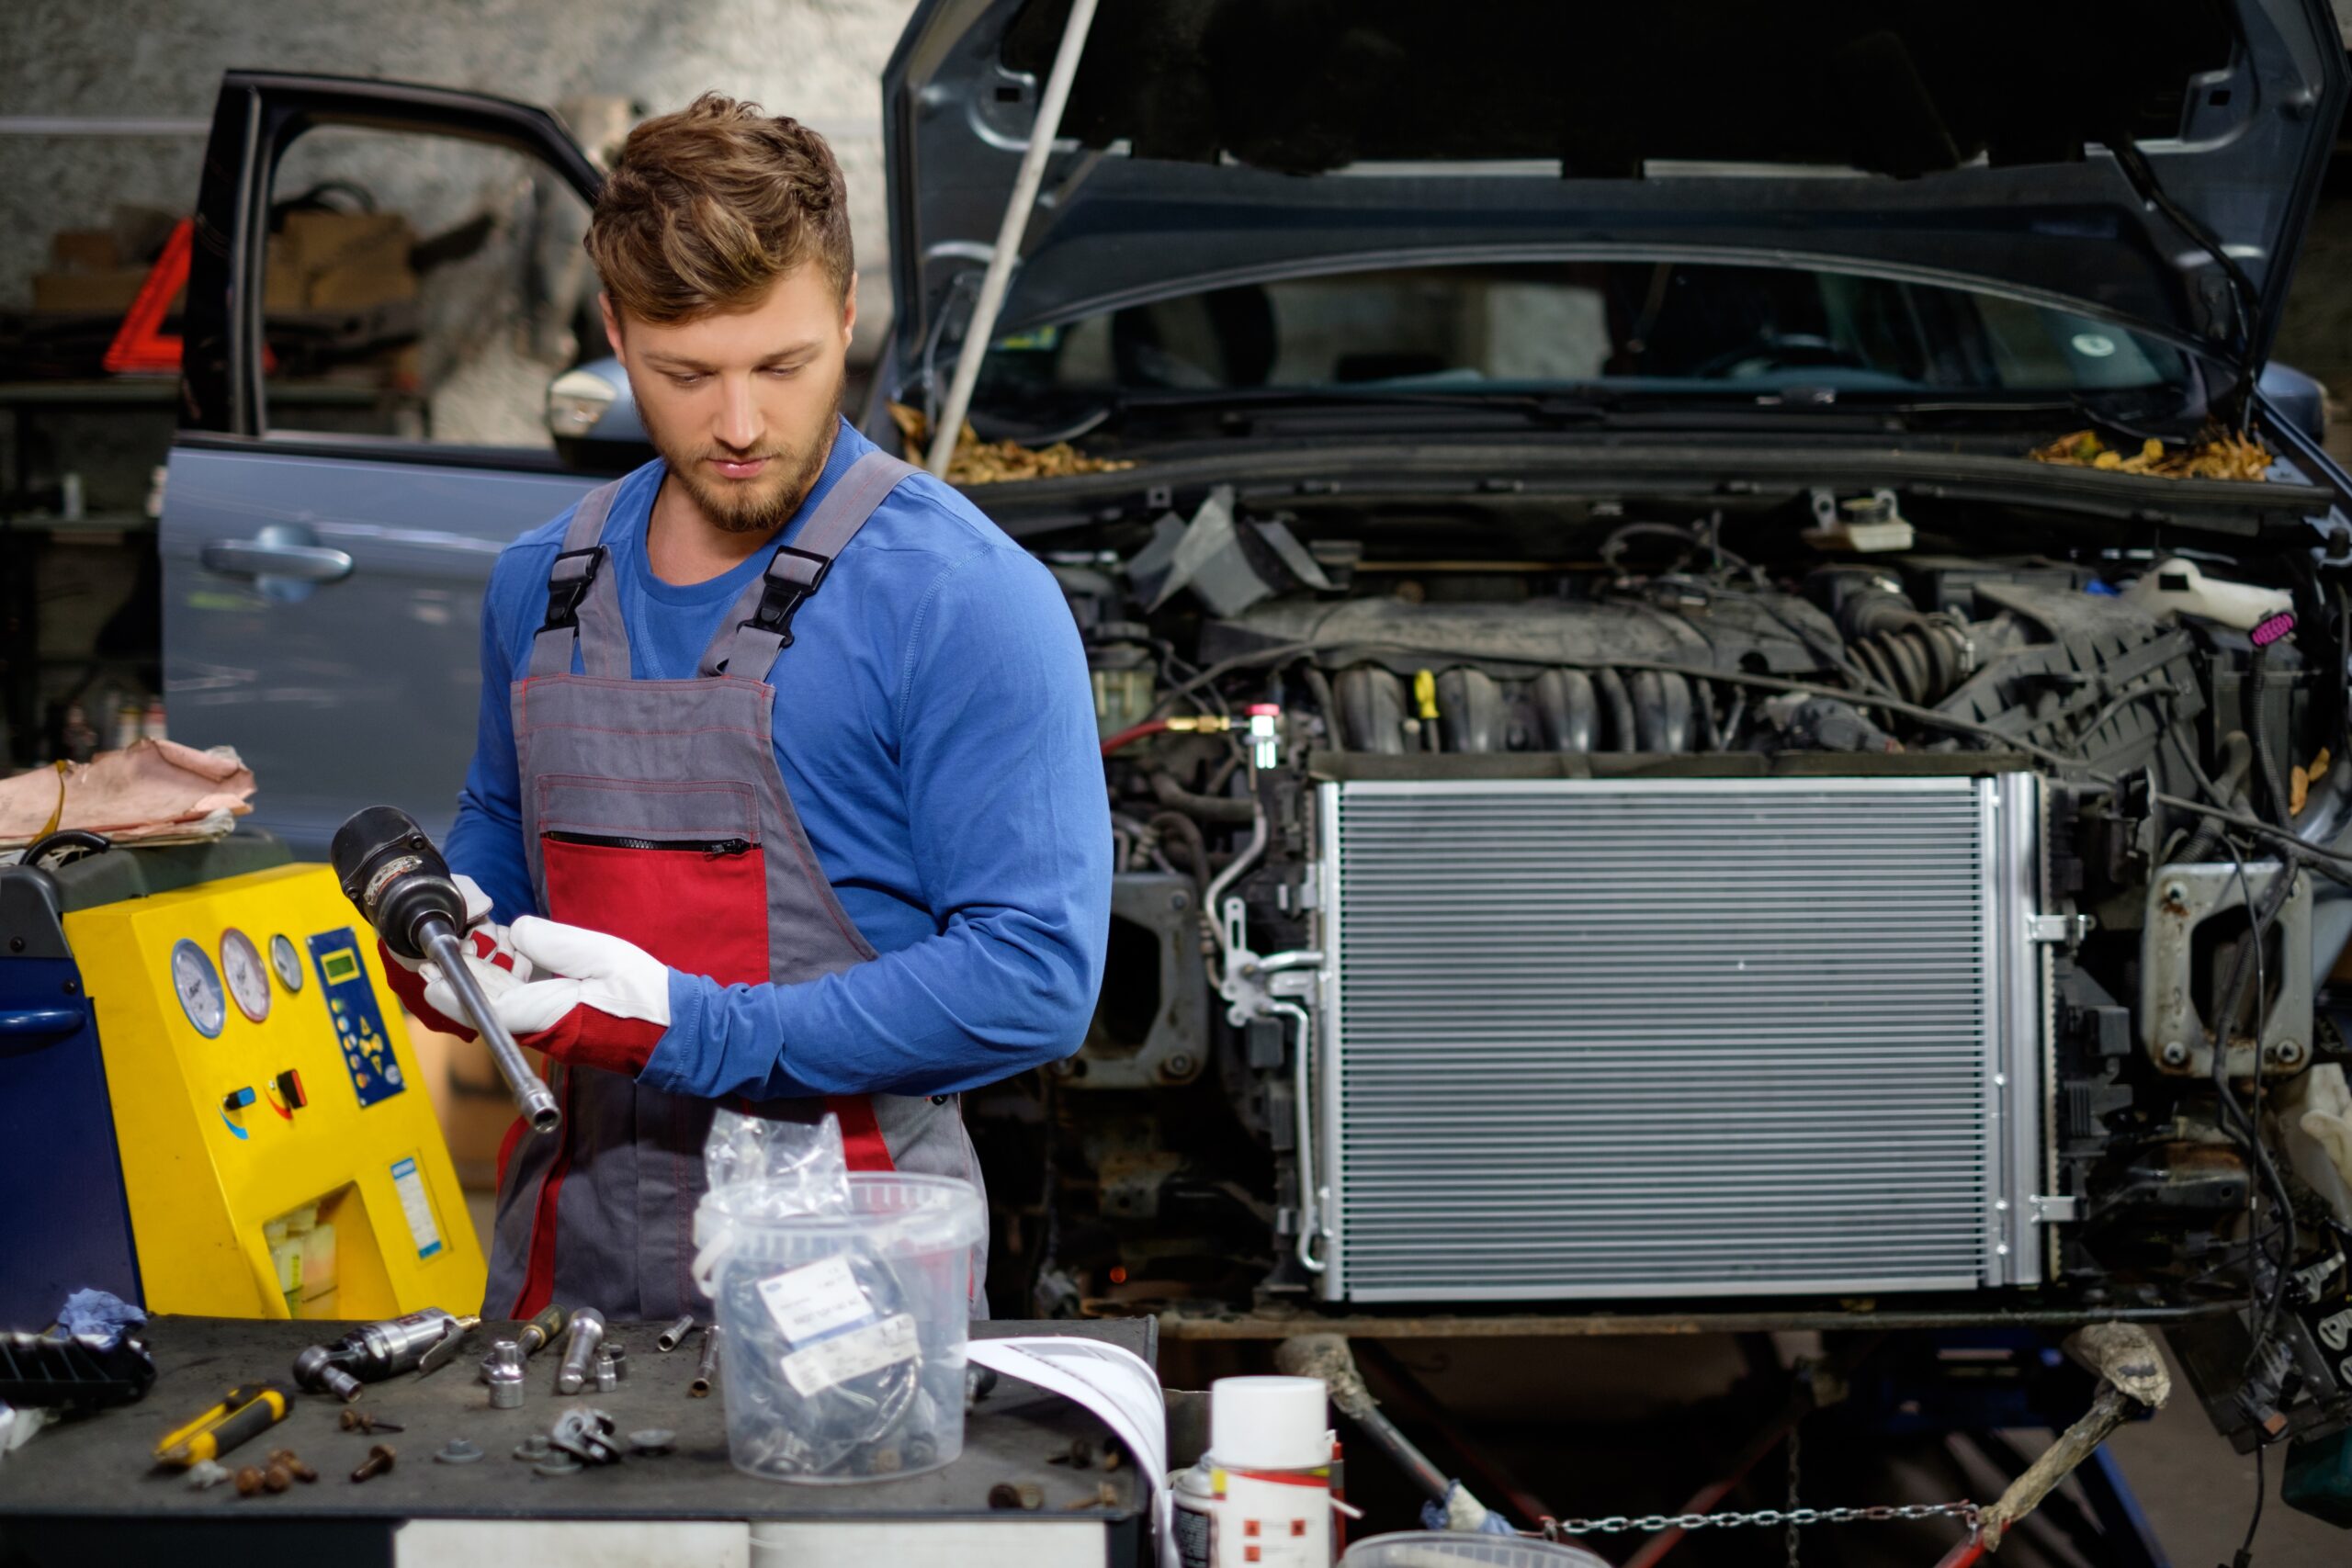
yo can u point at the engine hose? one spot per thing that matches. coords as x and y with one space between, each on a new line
2237 755
1223 808
1919 661
1176 825
2266 764
1320 685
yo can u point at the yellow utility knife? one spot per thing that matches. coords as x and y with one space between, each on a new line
242 1413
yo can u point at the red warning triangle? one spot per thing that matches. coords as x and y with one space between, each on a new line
141 346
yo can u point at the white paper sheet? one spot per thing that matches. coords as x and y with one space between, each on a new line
1112 1382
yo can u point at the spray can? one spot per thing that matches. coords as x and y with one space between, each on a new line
1261 1497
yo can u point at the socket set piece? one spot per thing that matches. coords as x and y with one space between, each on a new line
586 1435
675 1334
608 1372
502 1370
586 1331
459 1450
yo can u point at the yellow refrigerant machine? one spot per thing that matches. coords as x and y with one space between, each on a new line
207 1102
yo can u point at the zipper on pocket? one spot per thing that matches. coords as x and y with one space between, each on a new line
709 848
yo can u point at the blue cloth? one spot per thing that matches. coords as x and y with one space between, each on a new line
99 1315
934 726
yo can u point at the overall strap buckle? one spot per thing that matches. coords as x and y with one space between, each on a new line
569 579
791 577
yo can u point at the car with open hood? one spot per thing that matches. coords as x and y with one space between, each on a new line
1720 645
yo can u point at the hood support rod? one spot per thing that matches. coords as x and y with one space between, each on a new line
950 422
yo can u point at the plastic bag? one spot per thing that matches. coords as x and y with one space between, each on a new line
785 1167
824 1365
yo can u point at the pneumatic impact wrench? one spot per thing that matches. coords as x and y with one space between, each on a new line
401 884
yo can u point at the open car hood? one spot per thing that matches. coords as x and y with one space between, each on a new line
1209 143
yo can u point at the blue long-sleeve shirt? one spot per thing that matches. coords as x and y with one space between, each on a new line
935 727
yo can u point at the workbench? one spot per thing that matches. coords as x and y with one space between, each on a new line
86 1491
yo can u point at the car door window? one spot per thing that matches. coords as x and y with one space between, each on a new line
418 287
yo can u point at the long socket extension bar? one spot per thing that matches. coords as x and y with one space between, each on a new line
537 1101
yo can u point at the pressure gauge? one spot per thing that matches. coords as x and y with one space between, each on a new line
198 985
248 980
286 962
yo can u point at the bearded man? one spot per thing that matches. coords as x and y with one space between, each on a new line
786 793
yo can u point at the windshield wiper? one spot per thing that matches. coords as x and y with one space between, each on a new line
1245 402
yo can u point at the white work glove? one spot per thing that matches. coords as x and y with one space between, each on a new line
595 1001
489 955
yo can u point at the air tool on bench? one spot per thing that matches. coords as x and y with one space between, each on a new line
373 1351
401 886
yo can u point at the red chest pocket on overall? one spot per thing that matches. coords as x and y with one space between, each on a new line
676 868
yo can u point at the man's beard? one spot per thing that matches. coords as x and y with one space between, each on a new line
760 506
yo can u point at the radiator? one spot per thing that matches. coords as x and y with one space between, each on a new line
1679 1038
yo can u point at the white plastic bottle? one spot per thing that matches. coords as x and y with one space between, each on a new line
1261 1497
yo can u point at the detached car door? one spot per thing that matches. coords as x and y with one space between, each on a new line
386 278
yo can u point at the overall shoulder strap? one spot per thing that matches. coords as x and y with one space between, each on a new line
759 626
583 602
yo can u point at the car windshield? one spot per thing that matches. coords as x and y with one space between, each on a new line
1665 327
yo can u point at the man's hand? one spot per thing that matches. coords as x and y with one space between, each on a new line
490 953
599 1002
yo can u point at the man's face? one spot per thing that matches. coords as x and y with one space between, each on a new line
741 404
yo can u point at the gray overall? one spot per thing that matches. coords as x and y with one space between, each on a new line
653 810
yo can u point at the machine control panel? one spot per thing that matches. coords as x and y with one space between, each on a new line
358 1021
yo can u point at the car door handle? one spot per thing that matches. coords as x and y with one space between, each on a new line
288 551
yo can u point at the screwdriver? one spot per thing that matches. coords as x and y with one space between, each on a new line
541 1331
244 1413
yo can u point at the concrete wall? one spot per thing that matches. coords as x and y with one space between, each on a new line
820 61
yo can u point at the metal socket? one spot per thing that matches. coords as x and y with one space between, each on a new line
503 1371
675 1334
586 1331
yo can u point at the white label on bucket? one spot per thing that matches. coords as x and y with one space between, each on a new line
816 1298
818 1367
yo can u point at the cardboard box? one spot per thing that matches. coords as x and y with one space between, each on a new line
358 287
340 261
316 241
282 285
84 250
90 293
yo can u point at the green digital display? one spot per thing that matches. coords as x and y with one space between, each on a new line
339 966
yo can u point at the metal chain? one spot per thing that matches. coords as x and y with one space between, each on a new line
1790 1534
1650 1524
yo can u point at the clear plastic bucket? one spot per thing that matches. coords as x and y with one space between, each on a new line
841 1355
1440 1548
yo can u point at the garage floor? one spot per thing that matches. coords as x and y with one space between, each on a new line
2198 1495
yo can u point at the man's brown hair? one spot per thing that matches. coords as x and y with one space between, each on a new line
706 208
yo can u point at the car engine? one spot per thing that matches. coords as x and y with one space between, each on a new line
1834 899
